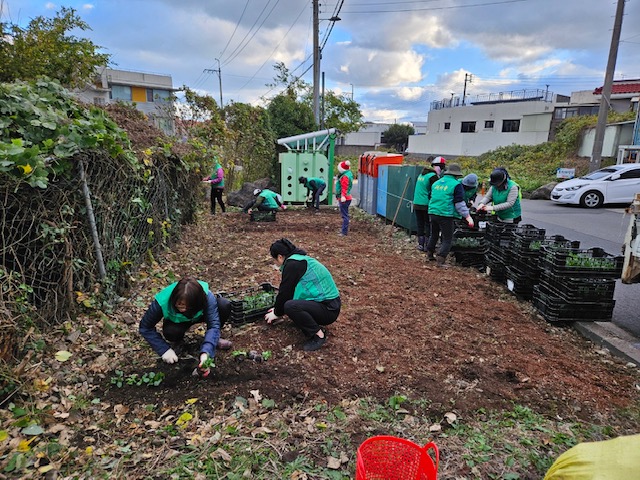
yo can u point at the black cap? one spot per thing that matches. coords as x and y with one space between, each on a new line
302 179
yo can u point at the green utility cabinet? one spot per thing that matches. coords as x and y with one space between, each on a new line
308 155
302 164
401 179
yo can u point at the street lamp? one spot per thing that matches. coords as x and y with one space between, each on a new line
351 91
451 102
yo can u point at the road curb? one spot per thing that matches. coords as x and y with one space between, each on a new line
617 340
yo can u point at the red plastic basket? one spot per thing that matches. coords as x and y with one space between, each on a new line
391 458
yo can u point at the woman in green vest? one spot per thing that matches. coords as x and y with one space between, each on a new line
182 305
503 197
265 201
315 186
421 196
344 183
307 293
447 199
216 179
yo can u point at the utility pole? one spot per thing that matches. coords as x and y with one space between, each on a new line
322 109
316 62
469 77
351 91
601 126
219 72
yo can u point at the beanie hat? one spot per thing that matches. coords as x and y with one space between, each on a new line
453 169
344 166
438 161
256 192
470 180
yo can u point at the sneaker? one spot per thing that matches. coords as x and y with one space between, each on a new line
224 344
314 343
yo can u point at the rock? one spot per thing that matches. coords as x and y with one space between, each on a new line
241 197
543 192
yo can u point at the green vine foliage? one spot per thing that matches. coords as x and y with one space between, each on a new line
42 127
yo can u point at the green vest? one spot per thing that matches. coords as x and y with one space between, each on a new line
349 175
316 284
318 182
269 198
215 175
162 297
422 192
441 202
500 196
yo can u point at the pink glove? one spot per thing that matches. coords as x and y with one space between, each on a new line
470 221
283 206
205 371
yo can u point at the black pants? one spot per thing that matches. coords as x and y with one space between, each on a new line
174 332
308 315
216 194
422 222
444 226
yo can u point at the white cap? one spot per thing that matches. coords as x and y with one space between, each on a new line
256 191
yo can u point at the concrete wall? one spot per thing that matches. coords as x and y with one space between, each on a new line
535 119
614 135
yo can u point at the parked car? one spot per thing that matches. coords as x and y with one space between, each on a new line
614 184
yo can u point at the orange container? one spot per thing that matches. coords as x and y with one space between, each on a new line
391 458
370 161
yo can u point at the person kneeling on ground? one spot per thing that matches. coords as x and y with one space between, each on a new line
265 201
182 305
307 293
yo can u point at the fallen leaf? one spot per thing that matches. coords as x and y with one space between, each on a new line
63 355
450 417
333 463
436 427
380 368
191 401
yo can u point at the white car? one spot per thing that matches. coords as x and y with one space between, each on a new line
614 184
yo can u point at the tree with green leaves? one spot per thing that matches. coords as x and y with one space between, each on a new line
292 110
397 136
239 134
47 48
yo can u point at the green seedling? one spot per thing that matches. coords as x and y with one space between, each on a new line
150 379
266 355
238 353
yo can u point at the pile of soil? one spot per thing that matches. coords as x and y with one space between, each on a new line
450 336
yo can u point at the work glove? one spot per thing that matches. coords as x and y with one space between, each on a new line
249 211
481 207
204 371
270 316
170 356
470 221
283 206
310 197
343 199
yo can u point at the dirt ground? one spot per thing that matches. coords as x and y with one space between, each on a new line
450 336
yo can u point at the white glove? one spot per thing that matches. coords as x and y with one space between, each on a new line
481 207
310 197
204 371
343 199
170 356
249 211
489 208
469 221
270 316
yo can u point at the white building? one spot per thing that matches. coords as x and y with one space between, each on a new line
486 123
151 93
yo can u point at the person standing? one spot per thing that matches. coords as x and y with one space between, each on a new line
315 186
421 196
503 197
447 198
216 179
182 305
307 293
344 183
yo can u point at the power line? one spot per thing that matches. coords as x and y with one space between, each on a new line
365 12
234 30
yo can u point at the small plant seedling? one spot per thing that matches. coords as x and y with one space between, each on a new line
238 353
150 379
266 355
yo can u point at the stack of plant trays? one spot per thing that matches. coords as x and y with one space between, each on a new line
523 272
251 303
576 285
500 238
469 247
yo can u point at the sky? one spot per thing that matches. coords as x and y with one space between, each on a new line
395 57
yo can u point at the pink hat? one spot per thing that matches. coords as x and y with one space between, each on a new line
344 166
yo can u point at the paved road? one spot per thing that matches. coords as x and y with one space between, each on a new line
604 228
